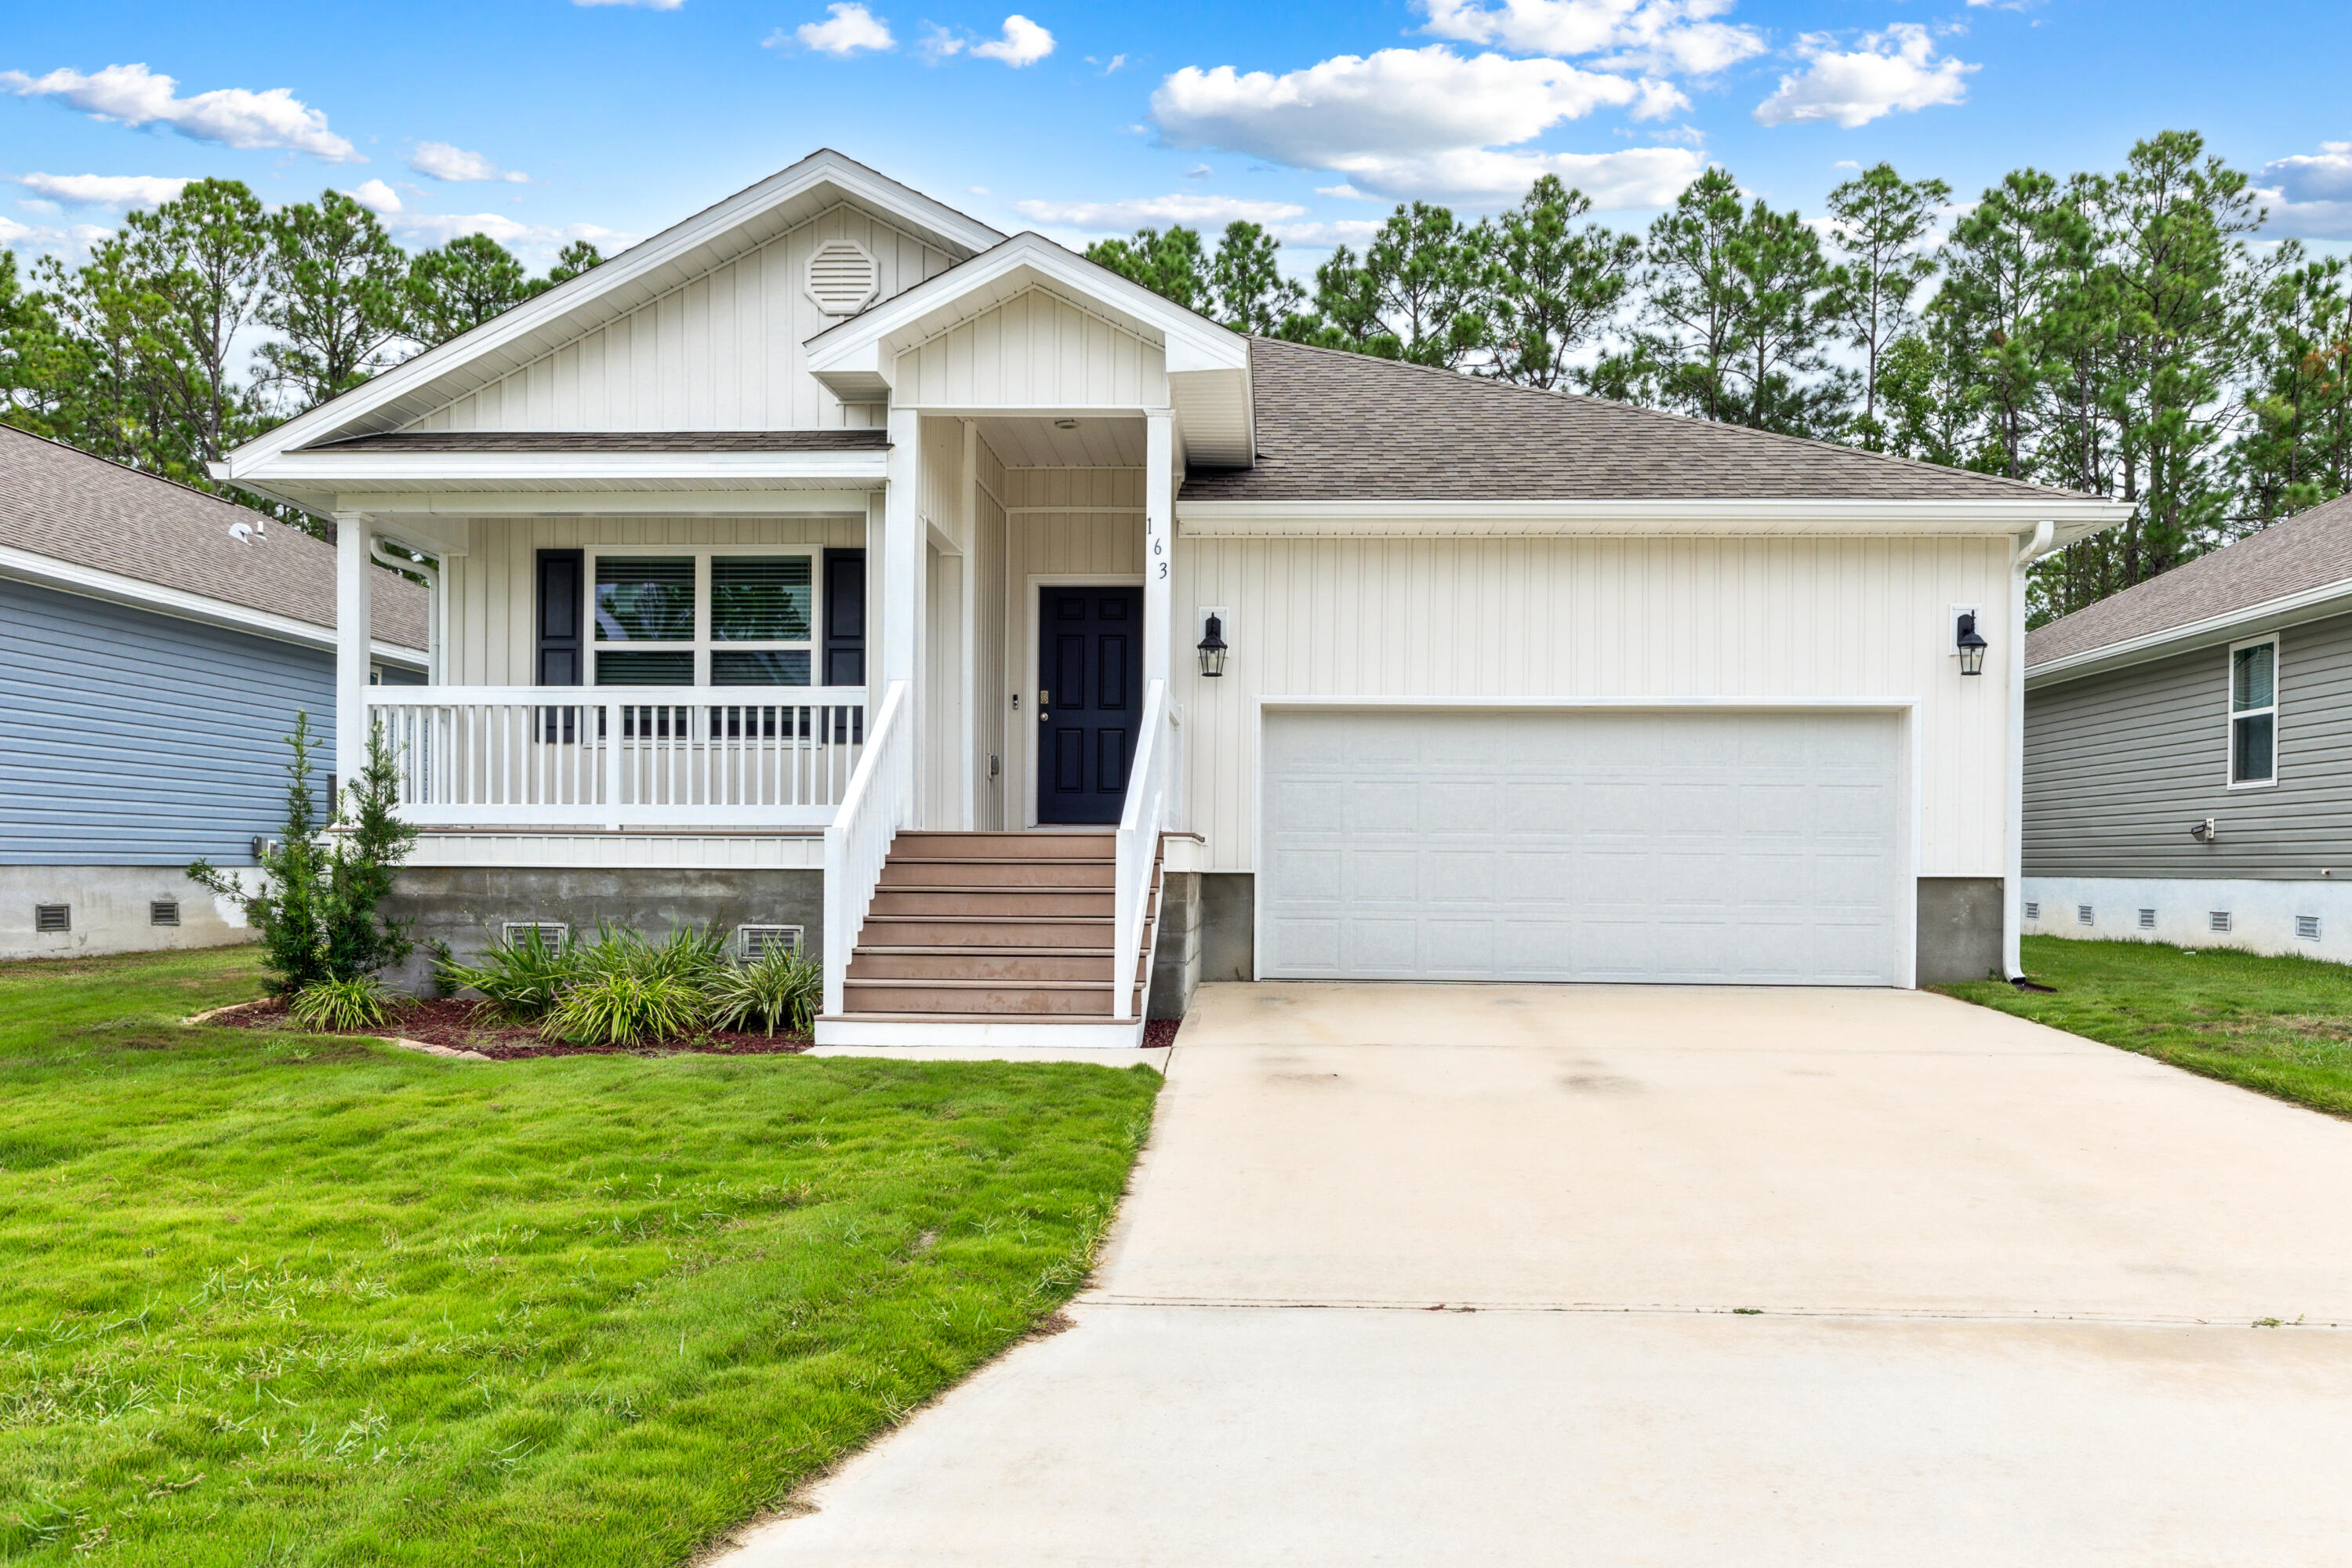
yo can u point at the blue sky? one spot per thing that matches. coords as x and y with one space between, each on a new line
542 120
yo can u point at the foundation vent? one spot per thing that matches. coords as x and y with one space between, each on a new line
841 277
163 912
2148 919
2218 920
755 942
2033 909
2081 914
2306 928
52 917
552 934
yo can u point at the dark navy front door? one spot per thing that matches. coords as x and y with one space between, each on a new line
1089 697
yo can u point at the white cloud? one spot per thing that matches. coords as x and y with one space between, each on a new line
1427 124
1397 104
1656 36
1323 235
1629 177
1658 99
2308 195
1157 212
851 28
106 190
376 196
439 229
2324 175
232 116
440 161
1894 70
1024 43
1342 192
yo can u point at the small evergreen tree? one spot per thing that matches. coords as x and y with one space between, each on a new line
316 909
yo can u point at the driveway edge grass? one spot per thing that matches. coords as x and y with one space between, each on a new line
2277 1025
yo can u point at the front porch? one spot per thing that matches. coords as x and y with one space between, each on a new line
928 694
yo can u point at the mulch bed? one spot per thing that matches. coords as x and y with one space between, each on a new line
467 1026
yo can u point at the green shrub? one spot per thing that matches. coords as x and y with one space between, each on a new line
620 1006
780 987
522 979
317 907
693 957
356 1002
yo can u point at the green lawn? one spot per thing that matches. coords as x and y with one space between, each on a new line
2282 1026
279 1300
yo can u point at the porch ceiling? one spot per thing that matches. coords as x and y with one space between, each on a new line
1095 443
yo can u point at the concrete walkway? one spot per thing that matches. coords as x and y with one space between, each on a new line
1648 1275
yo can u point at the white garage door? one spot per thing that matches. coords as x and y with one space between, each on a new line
1698 846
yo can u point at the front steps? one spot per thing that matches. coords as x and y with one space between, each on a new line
994 938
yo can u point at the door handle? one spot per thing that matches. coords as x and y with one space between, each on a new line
1043 696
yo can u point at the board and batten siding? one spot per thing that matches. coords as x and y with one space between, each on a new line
2118 766
129 738
1035 351
1574 618
1078 524
493 603
721 352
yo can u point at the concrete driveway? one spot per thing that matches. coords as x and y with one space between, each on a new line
1650 1275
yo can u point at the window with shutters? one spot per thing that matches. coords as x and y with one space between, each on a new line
704 619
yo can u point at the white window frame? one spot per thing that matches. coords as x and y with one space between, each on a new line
2231 713
702 645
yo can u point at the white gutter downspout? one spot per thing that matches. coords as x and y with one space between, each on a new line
435 604
2013 918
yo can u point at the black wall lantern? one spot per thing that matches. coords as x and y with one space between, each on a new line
1212 648
1971 646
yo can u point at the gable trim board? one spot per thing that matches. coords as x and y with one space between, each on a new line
92 583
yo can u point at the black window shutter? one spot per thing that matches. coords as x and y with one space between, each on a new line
561 660
845 618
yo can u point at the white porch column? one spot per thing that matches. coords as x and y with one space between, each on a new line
1160 631
353 579
905 565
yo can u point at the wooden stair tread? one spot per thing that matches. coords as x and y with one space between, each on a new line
933 949
1094 1019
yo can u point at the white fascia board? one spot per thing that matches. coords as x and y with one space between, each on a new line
2288 609
1197 342
92 583
605 503
1209 520
649 255
357 470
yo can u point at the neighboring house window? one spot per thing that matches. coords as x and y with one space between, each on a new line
2253 713
704 619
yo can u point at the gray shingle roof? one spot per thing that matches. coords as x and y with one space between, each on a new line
1335 426
610 441
2310 550
69 506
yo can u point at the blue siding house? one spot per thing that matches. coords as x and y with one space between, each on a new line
155 644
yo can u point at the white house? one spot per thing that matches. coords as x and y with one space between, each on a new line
832 561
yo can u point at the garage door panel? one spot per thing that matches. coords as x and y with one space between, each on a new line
1749 848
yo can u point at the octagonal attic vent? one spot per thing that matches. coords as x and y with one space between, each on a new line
841 277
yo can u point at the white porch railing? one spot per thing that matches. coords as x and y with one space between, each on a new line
582 755
879 801
1150 796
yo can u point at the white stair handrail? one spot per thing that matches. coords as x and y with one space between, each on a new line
1149 787
878 802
